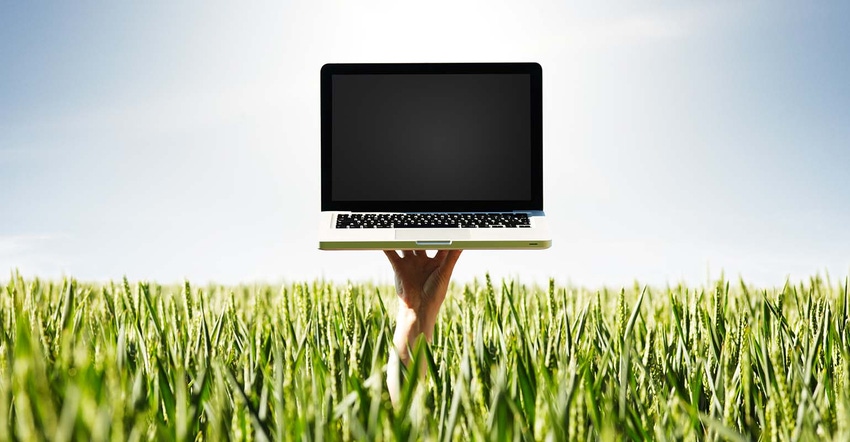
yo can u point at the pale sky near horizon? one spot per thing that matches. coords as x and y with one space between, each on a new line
168 141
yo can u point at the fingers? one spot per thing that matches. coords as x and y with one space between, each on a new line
444 255
395 259
392 256
451 259
440 256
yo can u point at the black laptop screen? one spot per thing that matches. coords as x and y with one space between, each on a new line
430 138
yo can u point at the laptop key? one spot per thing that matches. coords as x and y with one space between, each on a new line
432 220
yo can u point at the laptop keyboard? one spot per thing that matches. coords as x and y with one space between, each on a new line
431 220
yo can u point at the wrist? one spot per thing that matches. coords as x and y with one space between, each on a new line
410 323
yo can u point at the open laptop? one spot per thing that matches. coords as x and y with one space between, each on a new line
432 156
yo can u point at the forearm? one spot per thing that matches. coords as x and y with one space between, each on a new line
410 325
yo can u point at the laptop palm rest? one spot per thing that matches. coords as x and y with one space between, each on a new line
434 236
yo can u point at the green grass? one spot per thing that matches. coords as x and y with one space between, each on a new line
139 361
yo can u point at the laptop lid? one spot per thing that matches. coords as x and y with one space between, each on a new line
436 137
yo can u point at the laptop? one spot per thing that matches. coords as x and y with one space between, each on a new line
432 156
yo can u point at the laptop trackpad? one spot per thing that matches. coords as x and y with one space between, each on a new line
432 234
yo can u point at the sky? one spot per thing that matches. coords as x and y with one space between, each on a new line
166 141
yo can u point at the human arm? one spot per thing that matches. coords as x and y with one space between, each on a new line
421 284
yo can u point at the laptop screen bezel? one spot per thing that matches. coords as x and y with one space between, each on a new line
535 74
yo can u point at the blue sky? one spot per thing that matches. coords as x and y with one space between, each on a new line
166 141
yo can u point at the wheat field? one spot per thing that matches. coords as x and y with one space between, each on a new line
509 361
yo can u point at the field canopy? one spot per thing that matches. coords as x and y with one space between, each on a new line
139 361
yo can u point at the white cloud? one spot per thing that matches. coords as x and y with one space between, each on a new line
31 254
10 244
630 30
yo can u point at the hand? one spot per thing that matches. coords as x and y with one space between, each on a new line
421 282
